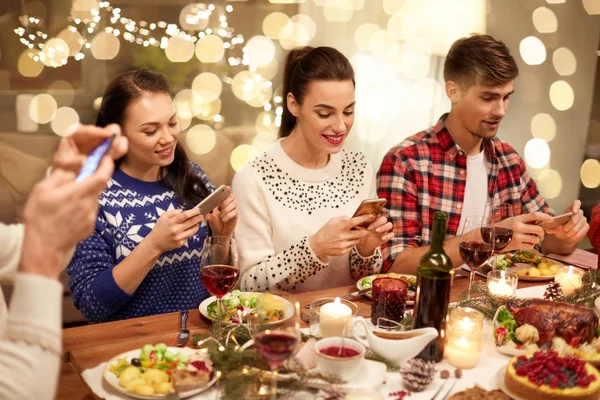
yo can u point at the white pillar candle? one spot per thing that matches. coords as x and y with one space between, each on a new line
501 283
500 288
334 319
462 353
569 280
464 338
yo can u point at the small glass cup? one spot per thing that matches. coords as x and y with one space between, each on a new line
388 301
464 337
331 316
502 283
570 279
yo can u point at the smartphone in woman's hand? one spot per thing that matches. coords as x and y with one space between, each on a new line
372 207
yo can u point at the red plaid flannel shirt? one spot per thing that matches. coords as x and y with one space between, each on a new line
427 172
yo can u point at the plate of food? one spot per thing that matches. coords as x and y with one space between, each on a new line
271 308
154 372
524 327
529 265
367 282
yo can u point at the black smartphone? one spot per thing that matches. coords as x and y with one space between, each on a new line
93 161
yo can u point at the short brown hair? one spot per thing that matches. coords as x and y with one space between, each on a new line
480 59
305 65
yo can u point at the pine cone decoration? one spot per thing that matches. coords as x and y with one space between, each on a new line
417 374
553 291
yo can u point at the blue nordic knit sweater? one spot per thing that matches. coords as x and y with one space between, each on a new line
129 209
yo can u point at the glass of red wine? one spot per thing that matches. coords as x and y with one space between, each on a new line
275 342
474 252
496 227
219 269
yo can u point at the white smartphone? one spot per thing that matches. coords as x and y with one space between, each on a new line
559 220
213 200
372 207
93 160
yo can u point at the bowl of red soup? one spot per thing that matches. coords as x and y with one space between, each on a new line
340 357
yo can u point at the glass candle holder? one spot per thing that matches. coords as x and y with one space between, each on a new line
331 316
570 279
502 283
388 301
464 337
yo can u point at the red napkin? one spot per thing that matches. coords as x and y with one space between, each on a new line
579 258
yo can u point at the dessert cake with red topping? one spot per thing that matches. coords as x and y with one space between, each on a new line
548 376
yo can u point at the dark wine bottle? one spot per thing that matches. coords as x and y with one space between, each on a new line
434 278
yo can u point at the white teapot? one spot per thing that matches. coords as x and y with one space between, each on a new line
395 346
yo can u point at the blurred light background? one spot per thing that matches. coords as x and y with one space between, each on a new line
225 60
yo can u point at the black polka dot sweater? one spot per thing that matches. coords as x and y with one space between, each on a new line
281 204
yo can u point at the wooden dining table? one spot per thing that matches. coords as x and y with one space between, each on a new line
88 346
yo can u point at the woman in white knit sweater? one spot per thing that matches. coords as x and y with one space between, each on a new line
294 201
59 213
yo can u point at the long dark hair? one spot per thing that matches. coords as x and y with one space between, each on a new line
305 65
120 93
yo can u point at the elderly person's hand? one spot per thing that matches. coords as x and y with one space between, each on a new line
60 212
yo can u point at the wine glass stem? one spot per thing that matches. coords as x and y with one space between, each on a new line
471 276
274 373
219 321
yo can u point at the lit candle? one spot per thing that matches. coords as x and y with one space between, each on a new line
462 353
502 285
569 280
334 318
464 337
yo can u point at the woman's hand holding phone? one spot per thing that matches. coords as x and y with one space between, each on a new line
223 219
174 228
337 237
379 232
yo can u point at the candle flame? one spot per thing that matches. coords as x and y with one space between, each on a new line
462 342
502 276
337 300
570 273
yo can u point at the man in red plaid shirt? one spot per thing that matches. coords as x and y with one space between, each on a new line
459 165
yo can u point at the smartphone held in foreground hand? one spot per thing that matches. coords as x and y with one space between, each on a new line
559 220
95 158
372 207
213 200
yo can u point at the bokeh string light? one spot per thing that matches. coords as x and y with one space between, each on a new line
84 33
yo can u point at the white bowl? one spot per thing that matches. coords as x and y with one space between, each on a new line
344 368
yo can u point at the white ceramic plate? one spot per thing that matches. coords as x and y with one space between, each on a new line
487 267
502 385
368 294
287 313
112 380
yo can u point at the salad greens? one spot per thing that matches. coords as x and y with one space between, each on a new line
270 308
152 357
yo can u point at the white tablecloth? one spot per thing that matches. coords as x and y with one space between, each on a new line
484 374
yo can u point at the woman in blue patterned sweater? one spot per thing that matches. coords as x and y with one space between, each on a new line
143 257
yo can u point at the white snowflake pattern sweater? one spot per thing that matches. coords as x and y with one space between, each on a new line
129 209
280 204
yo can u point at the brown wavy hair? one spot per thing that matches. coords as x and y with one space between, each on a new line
123 91
479 59
305 65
